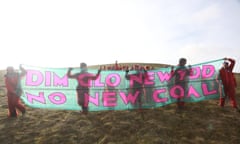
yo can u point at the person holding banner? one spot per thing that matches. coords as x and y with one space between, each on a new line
84 78
181 74
137 87
149 89
229 82
12 82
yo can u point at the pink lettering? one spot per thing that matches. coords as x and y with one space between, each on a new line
208 71
82 82
60 81
48 78
150 79
137 78
182 74
163 76
109 99
192 91
177 92
196 73
57 98
156 96
98 82
94 100
40 98
206 90
110 82
34 78
130 97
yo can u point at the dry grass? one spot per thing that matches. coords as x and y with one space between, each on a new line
198 123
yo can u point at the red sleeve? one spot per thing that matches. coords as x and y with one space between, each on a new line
11 84
232 64
222 74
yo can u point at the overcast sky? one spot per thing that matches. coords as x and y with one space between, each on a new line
63 33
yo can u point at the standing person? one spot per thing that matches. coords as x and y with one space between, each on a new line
149 89
117 66
137 87
181 74
84 79
12 82
229 82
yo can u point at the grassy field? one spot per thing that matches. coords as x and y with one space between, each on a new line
199 123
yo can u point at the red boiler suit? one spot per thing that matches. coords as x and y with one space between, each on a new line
11 82
229 84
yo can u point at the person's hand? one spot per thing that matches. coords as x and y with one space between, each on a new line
21 68
144 69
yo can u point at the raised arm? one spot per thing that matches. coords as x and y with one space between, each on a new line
126 74
71 75
172 72
190 71
146 76
232 63
94 77
23 71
